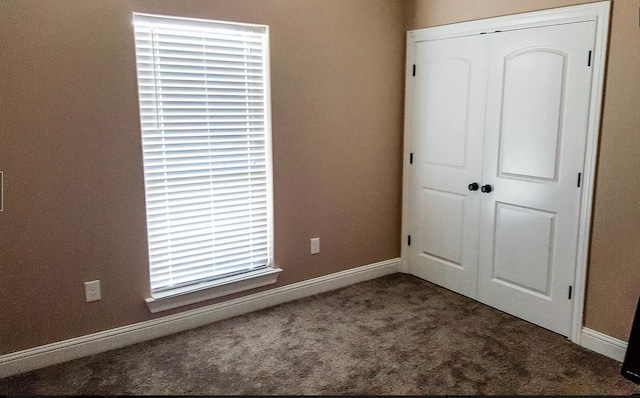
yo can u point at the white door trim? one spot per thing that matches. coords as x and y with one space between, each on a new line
597 12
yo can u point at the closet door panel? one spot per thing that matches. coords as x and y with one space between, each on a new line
446 111
537 114
522 240
441 226
448 121
533 96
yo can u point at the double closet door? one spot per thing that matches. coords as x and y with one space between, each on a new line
498 135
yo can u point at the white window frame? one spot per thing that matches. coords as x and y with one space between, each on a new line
199 291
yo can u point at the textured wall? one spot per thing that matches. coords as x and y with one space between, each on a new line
614 266
70 150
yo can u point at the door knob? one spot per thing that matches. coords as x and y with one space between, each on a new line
486 188
474 186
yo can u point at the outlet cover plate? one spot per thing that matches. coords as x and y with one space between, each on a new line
92 291
315 245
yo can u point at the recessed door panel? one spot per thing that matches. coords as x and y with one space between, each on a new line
445 110
531 115
442 225
523 248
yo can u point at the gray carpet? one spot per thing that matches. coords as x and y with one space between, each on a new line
393 335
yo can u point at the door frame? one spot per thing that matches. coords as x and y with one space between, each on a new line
599 13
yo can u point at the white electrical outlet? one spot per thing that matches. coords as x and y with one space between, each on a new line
92 291
315 245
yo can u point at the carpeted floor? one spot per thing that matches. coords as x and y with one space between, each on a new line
393 335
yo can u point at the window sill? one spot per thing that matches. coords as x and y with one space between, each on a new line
209 290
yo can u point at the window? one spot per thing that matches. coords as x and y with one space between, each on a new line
204 97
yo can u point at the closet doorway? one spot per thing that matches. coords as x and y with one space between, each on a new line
501 129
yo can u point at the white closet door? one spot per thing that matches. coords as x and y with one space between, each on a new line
448 128
537 112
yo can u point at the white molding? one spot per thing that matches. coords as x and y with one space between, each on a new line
603 344
591 158
407 224
54 353
598 12
180 297
535 19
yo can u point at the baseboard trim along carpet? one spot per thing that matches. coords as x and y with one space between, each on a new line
66 350
603 344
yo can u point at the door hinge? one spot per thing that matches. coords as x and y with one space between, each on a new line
411 158
409 240
589 61
570 292
414 69
579 180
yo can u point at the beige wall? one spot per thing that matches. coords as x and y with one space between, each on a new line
70 150
614 266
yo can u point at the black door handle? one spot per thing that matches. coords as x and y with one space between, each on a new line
486 188
474 186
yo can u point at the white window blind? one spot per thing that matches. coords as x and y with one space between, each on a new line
203 109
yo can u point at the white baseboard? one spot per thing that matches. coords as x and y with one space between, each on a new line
603 344
54 353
